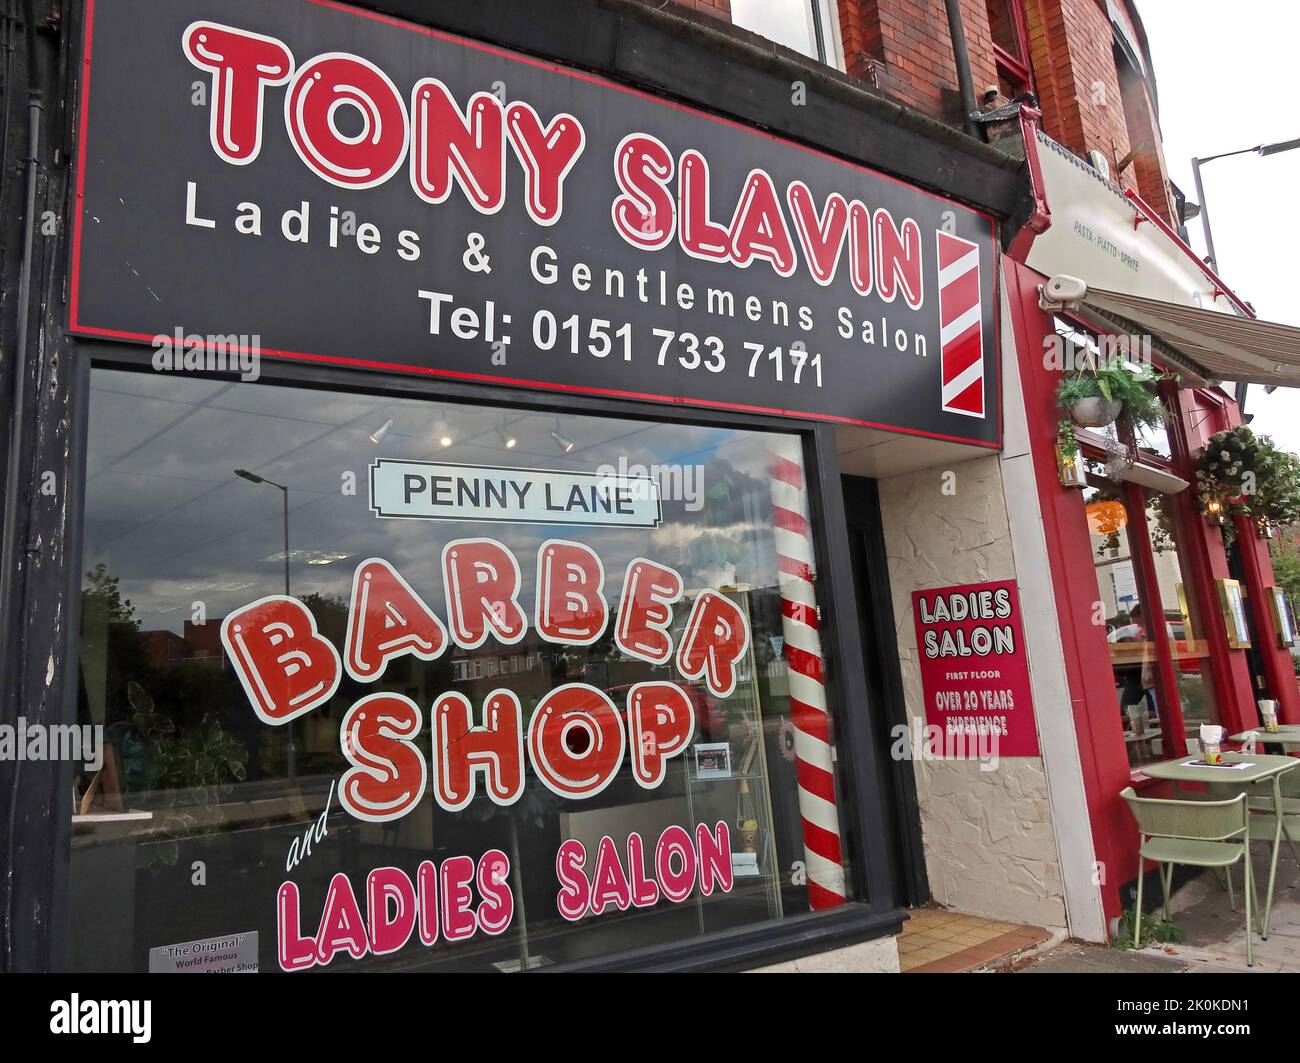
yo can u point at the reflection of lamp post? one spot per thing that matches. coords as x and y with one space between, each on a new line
253 478
1261 149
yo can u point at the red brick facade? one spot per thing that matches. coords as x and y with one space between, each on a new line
1091 100
720 8
908 45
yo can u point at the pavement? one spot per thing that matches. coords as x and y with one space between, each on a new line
938 941
1215 934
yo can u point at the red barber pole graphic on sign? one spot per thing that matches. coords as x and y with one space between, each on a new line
961 338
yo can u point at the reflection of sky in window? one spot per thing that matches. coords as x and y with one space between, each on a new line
166 514
787 22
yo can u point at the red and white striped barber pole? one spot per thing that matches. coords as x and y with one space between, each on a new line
961 326
803 655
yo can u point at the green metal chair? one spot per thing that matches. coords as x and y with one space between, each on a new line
1264 822
1213 834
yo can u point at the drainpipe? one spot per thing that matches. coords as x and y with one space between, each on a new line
13 487
961 54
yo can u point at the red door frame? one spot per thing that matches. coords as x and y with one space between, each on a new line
1199 415
1257 567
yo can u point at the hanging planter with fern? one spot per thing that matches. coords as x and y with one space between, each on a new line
1095 398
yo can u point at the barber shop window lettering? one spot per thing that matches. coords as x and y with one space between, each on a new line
529 709
576 739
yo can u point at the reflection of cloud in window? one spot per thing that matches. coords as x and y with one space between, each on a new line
167 515
787 22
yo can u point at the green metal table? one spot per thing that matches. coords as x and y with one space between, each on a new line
1257 768
1286 735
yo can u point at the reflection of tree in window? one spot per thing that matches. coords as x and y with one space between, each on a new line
176 758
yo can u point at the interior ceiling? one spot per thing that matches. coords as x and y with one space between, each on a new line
879 454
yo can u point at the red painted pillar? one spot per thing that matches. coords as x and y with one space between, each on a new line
1093 702
1279 673
1206 561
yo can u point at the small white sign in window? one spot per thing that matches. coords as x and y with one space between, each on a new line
423 490
232 954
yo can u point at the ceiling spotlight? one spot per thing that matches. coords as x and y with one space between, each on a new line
507 440
377 436
446 441
564 444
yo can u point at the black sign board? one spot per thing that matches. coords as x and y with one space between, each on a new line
318 182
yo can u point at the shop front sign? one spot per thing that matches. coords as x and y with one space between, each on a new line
1100 237
974 671
344 188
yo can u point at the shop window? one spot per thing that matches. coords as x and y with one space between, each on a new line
806 26
1180 602
1160 657
196 788
1010 46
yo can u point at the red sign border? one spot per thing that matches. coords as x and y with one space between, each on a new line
77 327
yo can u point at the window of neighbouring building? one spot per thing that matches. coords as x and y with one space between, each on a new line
655 793
807 26
1010 35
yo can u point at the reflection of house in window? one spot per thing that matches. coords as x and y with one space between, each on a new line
466 668
201 642
204 639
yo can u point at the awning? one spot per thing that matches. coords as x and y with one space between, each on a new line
1205 343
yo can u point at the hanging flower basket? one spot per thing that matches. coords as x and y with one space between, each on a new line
1097 398
1241 474
1095 411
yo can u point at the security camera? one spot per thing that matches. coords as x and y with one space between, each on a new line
1062 292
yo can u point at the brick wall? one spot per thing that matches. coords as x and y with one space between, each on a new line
1074 67
1148 170
903 48
719 8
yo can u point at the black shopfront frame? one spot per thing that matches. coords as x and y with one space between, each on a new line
865 830
674 53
